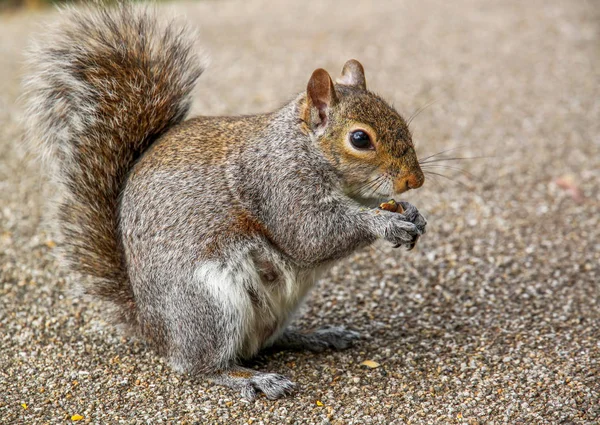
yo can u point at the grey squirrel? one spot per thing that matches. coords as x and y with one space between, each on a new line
205 235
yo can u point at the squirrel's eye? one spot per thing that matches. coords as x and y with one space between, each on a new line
360 140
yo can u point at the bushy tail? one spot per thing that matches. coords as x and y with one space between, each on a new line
104 85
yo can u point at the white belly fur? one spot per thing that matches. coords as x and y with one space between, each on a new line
256 324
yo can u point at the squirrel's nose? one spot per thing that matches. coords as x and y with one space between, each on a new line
407 182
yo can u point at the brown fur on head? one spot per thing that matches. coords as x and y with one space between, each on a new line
386 163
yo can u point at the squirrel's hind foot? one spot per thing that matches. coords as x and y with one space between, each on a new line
250 382
327 337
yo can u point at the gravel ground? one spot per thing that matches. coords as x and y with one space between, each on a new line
494 318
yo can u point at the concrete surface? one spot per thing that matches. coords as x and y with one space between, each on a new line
494 318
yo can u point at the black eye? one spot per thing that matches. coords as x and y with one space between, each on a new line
360 140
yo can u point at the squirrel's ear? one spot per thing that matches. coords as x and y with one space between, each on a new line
320 96
353 74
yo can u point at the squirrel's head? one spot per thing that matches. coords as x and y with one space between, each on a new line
362 136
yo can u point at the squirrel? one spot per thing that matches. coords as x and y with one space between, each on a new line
206 234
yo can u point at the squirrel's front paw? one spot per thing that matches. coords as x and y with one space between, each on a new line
403 229
412 214
402 233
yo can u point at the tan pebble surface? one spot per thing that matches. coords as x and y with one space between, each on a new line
492 319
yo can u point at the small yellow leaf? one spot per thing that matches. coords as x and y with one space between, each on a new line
76 417
370 364
24 405
50 243
319 403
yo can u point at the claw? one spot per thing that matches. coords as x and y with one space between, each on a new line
412 245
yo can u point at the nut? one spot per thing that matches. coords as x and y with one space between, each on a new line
392 206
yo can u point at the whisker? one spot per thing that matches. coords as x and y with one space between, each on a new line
454 159
364 185
383 180
368 192
418 112
445 151
446 177
434 180
438 174
360 191
371 187
460 170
